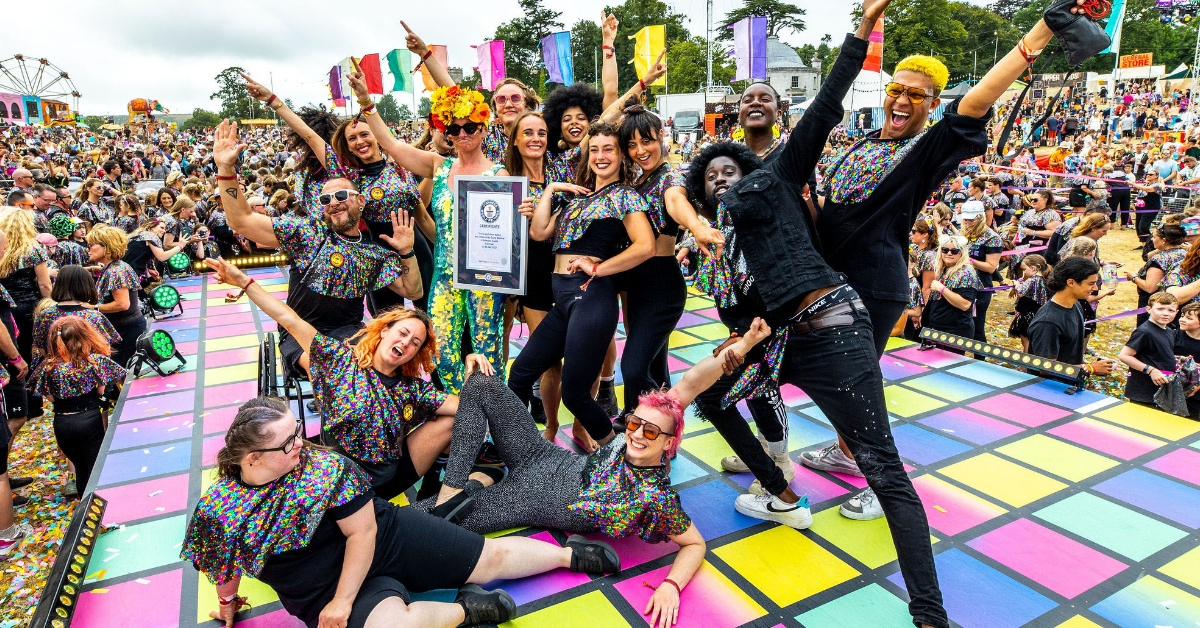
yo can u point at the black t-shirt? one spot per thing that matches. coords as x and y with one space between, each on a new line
1057 333
942 316
1155 346
867 239
1186 345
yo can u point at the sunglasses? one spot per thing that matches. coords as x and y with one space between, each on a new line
515 99
947 251
915 94
471 128
340 196
649 430
287 445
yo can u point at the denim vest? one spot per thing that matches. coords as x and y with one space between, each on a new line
777 238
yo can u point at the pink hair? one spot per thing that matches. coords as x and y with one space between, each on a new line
662 400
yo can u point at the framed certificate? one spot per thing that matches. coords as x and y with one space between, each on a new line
491 236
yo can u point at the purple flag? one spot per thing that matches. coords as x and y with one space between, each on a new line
556 54
750 48
335 84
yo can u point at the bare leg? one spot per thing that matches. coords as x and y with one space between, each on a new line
517 557
429 441
394 613
6 507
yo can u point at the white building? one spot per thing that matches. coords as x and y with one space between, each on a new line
788 74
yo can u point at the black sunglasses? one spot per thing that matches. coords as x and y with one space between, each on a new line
649 430
951 251
340 196
471 128
287 445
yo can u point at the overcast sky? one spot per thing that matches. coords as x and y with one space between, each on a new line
117 50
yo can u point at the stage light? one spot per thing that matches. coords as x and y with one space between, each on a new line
153 348
1066 373
177 263
63 586
164 301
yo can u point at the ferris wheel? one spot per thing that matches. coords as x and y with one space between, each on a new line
37 77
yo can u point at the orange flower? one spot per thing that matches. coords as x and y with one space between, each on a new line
481 114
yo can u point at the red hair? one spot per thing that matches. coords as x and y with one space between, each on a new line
74 340
662 400
366 341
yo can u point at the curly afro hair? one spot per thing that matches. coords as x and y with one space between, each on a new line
579 95
324 124
746 159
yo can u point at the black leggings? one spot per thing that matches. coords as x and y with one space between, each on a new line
577 331
79 436
884 314
1145 218
655 293
1118 204
123 350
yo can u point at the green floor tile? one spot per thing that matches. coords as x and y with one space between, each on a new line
907 403
137 548
1119 529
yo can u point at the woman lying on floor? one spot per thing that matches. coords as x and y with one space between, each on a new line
621 489
303 520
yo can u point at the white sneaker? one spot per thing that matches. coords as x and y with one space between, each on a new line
20 532
862 507
734 464
830 458
771 508
785 465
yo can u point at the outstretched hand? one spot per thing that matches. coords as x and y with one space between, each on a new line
225 145
256 89
413 41
227 273
403 236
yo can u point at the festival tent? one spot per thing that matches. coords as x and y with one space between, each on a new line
867 90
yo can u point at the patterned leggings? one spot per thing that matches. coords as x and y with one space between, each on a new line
543 478
475 312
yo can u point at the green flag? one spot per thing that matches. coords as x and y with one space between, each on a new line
400 67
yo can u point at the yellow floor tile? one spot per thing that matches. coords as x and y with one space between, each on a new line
586 611
1149 420
709 448
869 542
680 339
711 331
1185 569
1008 482
227 374
785 565
1078 622
1050 454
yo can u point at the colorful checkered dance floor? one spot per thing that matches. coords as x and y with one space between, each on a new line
1047 509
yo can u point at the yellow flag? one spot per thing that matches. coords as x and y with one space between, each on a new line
648 42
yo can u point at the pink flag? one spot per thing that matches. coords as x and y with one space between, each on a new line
491 63
874 62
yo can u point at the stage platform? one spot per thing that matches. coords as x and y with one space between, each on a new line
1046 509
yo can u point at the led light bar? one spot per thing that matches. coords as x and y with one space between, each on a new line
1052 369
65 583
249 261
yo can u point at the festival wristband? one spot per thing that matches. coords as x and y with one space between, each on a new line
671 582
227 177
16 360
595 270
226 601
272 99
609 51
248 284
642 84
409 255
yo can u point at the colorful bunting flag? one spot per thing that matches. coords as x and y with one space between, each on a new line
556 54
1113 28
335 86
648 42
490 63
874 62
400 63
439 53
750 48
372 74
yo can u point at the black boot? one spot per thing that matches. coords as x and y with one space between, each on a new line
606 396
537 410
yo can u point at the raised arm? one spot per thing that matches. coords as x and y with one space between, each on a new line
314 141
299 328
608 75
243 220
706 372
653 73
420 162
417 46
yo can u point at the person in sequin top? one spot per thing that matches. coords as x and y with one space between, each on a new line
654 290
952 297
334 265
1169 253
304 521
74 294
75 374
71 247
117 287
622 489
984 250
374 404
601 232
25 275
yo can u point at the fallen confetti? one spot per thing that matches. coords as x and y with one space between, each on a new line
939 508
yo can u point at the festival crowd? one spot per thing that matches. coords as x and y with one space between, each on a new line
815 246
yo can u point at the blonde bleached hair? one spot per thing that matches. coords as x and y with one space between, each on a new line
18 225
930 67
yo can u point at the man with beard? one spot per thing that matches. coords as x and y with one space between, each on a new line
333 265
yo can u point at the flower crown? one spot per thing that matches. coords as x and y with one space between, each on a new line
453 102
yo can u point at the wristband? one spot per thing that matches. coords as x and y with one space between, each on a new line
425 57
671 582
248 284
595 269
227 177
16 360
642 84
1146 369
226 601
410 254
609 51
271 100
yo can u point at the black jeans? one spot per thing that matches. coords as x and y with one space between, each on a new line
655 293
982 301
1118 204
1145 218
837 367
576 331
122 351
884 314
80 435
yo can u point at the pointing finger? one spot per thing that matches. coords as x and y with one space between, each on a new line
406 28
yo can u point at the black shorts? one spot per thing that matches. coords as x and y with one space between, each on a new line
370 594
5 441
16 396
390 479
290 350
539 295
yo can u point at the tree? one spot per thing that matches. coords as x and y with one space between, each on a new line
236 102
94 122
633 15
781 17
405 113
522 40
585 51
1007 8
387 109
424 107
686 65
201 119
820 57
